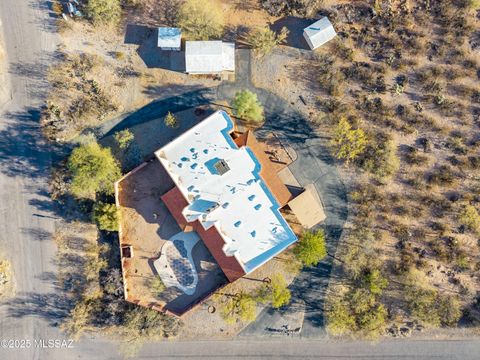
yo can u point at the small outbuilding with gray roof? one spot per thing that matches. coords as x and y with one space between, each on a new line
169 38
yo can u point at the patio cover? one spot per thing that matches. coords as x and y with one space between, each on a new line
308 207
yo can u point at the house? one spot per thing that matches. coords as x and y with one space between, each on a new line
169 38
221 194
319 33
209 57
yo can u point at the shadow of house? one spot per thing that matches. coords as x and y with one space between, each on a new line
295 26
147 39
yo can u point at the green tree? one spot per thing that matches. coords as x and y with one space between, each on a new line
263 40
106 216
311 248
247 106
94 170
348 143
276 293
374 281
124 138
170 120
104 11
201 19
470 218
240 307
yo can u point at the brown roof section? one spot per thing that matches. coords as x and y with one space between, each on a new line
267 172
175 203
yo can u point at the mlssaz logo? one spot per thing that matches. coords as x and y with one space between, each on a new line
53 344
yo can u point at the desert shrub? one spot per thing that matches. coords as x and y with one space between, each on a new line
171 120
104 11
276 292
247 106
141 322
124 138
470 218
93 169
201 19
427 305
263 40
340 49
311 248
373 281
348 143
156 286
380 157
241 307
413 157
291 7
106 216
442 175
358 311
79 318
370 76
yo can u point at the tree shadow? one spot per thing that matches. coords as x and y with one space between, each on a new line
51 307
295 26
23 151
48 22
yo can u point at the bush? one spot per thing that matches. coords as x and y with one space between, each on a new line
106 216
470 218
263 40
124 138
246 106
156 286
104 11
170 120
380 157
311 248
276 292
200 20
94 170
241 307
348 143
291 7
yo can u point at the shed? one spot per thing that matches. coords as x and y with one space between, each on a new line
209 57
308 207
169 38
319 33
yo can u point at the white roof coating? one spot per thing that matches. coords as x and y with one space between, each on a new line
319 33
169 37
237 203
209 57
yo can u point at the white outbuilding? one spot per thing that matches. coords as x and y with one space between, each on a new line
169 38
319 33
209 57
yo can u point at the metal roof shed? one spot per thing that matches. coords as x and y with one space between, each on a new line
169 38
319 33
209 57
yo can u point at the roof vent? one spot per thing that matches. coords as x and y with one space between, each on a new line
221 166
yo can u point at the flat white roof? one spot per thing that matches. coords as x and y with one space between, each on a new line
319 32
169 37
237 203
209 57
